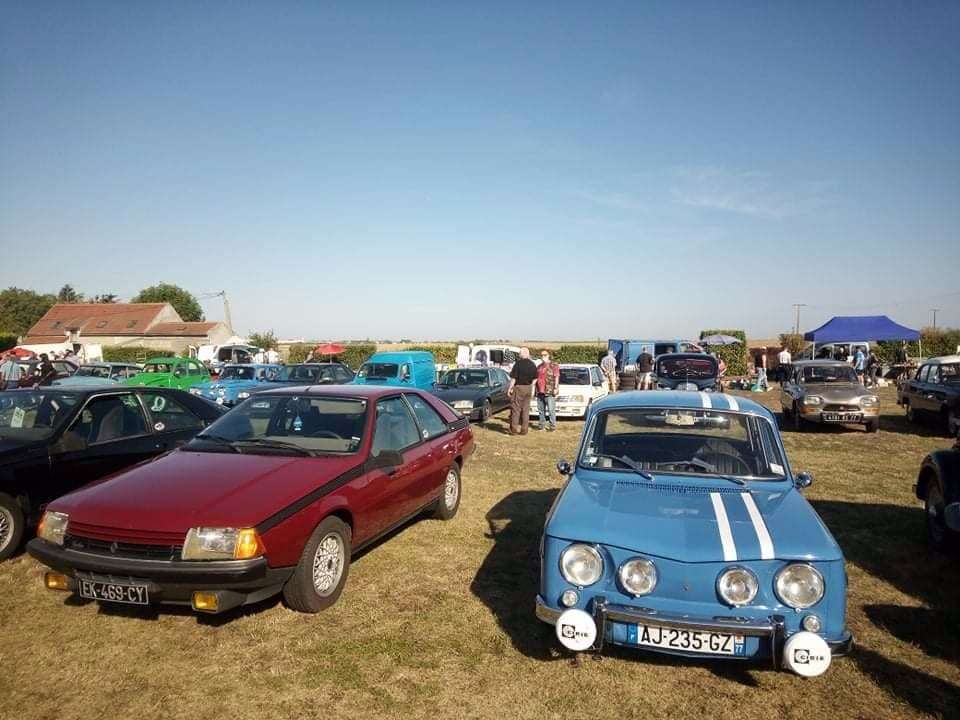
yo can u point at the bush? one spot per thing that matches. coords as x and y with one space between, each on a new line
735 356
133 353
936 342
441 353
298 352
354 354
792 342
7 341
579 353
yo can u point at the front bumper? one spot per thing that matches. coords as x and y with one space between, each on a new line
168 581
770 632
826 417
574 410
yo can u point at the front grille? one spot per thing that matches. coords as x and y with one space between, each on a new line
679 489
132 551
841 408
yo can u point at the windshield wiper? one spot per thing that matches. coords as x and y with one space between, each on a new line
628 462
279 445
707 467
219 440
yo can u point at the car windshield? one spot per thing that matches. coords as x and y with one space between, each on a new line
680 368
829 374
475 378
98 371
574 376
950 373
286 423
378 370
158 368
237 372
33 415
683 441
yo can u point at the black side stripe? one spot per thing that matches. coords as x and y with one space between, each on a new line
459 424
310 498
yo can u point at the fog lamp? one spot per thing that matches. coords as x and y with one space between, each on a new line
56 581
569 598
206 601
811 623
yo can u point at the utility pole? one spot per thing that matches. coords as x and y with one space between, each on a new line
797 306
934 311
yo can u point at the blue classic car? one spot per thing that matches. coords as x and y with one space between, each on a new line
681 529
100 373
233 380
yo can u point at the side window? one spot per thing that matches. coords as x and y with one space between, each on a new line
504 378
923 373
394 428
344 374
430 421
405 372
934 376
194 369
113 417
168 414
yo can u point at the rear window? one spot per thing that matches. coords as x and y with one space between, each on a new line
378 370
680 368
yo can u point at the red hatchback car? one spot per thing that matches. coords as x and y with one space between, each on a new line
274 497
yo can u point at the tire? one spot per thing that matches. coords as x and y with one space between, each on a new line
953 423
486 411
315 584
797 420
873 425
939 536
449 501
11 526
911 415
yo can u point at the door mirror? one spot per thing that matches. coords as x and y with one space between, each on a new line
385 459
564 468
951 516
178 372
803 480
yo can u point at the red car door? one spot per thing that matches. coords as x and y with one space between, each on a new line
398 488
437 437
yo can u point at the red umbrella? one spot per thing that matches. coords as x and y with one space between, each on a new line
328 349
20 352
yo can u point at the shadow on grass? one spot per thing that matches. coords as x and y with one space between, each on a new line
923 692
508 580
934 631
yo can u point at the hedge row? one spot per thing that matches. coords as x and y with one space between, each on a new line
133 353
735 356
942 341
7 341
441 353
354 355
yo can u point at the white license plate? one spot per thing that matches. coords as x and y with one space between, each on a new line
841 417
114 592
693 641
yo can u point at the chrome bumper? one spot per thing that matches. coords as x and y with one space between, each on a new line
772 627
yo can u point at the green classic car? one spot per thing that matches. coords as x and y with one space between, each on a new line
171 372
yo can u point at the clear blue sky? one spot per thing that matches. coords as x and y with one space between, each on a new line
459 170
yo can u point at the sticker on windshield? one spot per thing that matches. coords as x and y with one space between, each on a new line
159 427
158 404
777 469
297 424
17 420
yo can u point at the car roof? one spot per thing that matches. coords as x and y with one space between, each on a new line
943 360
170 359
695 355
398 355
371 392
681 399
824 362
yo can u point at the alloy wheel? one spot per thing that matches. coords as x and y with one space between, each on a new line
6 528
451 489
328 564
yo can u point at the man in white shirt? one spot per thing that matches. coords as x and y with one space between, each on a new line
783 364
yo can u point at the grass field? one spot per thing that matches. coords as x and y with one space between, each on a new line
438 620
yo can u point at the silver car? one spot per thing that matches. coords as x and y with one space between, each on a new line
828 391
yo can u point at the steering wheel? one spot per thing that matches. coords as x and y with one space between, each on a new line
325 434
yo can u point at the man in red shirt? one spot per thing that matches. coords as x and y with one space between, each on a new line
548 383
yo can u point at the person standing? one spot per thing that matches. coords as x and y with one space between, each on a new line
784 358
645 371
46 372
609 367
9 372
522 376
548 384
859 363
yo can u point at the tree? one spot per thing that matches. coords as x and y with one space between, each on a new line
183 301
68 295
792 342
265 340
105 299
20 309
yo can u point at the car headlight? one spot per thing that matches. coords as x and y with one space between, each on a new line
463 404
208 543
53 526
799 585
869 401
581 565
243 395
638 576
737 586
812 400
196 391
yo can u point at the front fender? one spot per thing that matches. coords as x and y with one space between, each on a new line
943 468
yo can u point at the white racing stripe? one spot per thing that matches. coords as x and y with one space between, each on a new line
723 525
732 401
705 399
763 535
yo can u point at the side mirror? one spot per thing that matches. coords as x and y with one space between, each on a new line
803 480
951 516
385 459
178 372
564 468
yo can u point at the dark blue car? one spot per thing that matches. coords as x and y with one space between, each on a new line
681 529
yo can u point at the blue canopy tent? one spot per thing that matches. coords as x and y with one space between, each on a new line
860 327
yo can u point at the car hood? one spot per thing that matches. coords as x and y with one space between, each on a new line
454 393
836 392
185 489
675 517
84 380
151 379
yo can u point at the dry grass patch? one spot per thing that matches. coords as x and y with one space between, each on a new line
438 620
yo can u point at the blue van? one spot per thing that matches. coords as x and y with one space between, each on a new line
416 369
